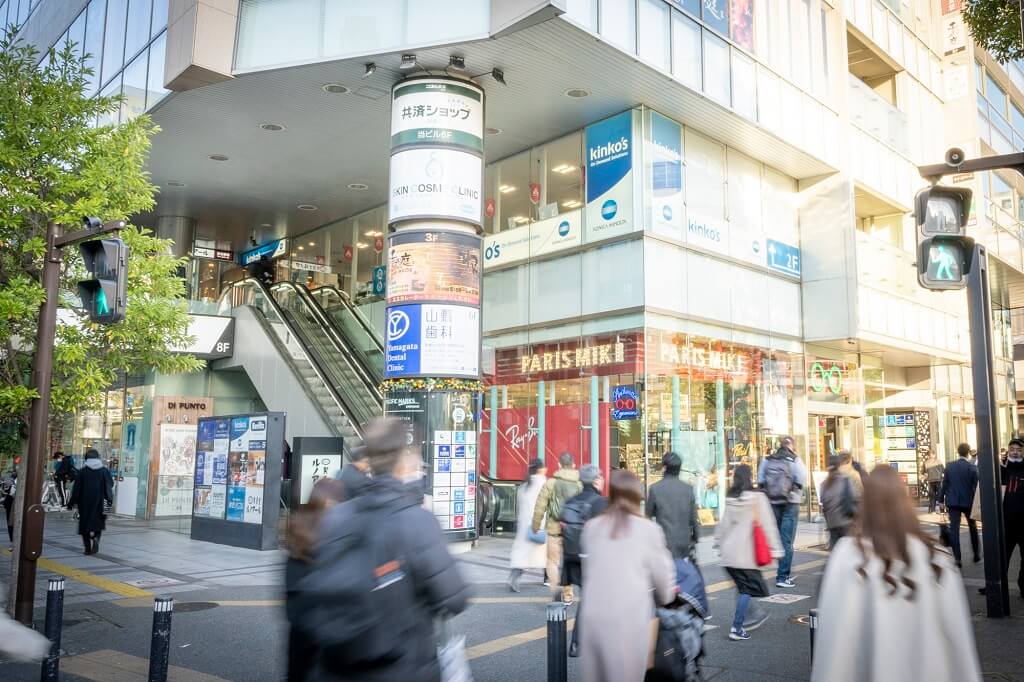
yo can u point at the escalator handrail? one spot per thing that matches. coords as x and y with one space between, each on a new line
363 322
310 357
336 339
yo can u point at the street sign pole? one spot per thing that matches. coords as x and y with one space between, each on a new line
997 594
33 514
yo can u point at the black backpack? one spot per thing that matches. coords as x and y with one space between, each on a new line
575 512
356 600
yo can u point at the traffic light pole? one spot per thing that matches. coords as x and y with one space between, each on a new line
33 514
997 593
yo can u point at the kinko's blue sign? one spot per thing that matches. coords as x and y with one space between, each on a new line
609 177
625 403
783 258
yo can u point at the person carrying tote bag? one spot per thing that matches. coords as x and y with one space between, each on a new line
738 537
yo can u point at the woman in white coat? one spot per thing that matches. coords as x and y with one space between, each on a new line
525 552
892 605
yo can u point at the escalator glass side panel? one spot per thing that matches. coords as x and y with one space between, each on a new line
356 330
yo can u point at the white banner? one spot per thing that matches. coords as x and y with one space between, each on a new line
545 236
435 183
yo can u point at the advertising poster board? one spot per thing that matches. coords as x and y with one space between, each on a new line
434 266
551 235
666 177
177 462
432 340
237 475
609 158
435 183
437 111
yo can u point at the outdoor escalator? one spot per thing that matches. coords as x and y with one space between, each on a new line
362 338
313 373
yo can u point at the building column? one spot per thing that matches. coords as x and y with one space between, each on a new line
179 229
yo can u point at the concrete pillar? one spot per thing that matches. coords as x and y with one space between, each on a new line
180 229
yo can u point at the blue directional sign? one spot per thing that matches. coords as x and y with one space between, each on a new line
380 279
783 258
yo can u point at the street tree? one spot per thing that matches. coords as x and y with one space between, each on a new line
996 27
62 157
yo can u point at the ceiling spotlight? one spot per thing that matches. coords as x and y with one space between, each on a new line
499 76
334 88
271 127
266 225
368 69
457 63
218 157
358 186
306 207
577 93
493 131
175 183
408 62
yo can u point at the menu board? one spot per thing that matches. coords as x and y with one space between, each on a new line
454 479
434 266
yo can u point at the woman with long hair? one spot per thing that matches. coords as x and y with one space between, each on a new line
627 572
746 508
892 605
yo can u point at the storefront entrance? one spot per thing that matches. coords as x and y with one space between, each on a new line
828 434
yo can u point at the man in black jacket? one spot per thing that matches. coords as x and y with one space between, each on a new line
577 511
1013 504
672 503
386 632
959 484
354 476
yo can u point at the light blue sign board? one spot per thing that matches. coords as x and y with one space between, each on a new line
270 250
236 504
783 258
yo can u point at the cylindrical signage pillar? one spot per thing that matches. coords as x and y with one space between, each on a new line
432 339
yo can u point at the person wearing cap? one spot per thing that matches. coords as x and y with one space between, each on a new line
527 553
354 476
672 503
92 495
556 492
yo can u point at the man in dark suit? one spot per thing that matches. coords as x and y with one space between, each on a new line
959 485
672 503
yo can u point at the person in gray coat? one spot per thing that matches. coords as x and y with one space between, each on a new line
672 503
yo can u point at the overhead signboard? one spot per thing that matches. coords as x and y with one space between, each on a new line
609 150
212 253
271 250
434 266
432 340
544 236
213 337
435 183
309 267
437 111
783 258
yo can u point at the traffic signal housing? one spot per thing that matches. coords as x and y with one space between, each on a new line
944 251
104 296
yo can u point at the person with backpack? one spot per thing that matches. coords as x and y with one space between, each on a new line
783 477
380 576
673 504
575 513
838 502
527 548
735 539
555 493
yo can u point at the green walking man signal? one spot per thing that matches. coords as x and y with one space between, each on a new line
104 296
944 250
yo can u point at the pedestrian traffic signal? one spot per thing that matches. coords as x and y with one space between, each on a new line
944 250
104 295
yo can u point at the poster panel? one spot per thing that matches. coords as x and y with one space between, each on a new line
432 340
666 177
434 266
255 475
314 468
437 111
435 183
609 150
741 23
176 469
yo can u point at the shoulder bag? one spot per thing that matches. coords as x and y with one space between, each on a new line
762 552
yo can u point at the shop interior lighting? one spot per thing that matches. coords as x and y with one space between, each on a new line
564 168
572 203
506 189
408 62
312 243
368 69
362 245
519 219
301 248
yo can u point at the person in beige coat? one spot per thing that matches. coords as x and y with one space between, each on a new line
734 537
892 605
627 572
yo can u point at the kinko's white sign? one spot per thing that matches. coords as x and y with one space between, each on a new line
435 183
437 111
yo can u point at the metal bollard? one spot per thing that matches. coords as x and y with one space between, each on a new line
160 646
52 628
558 659
812 620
